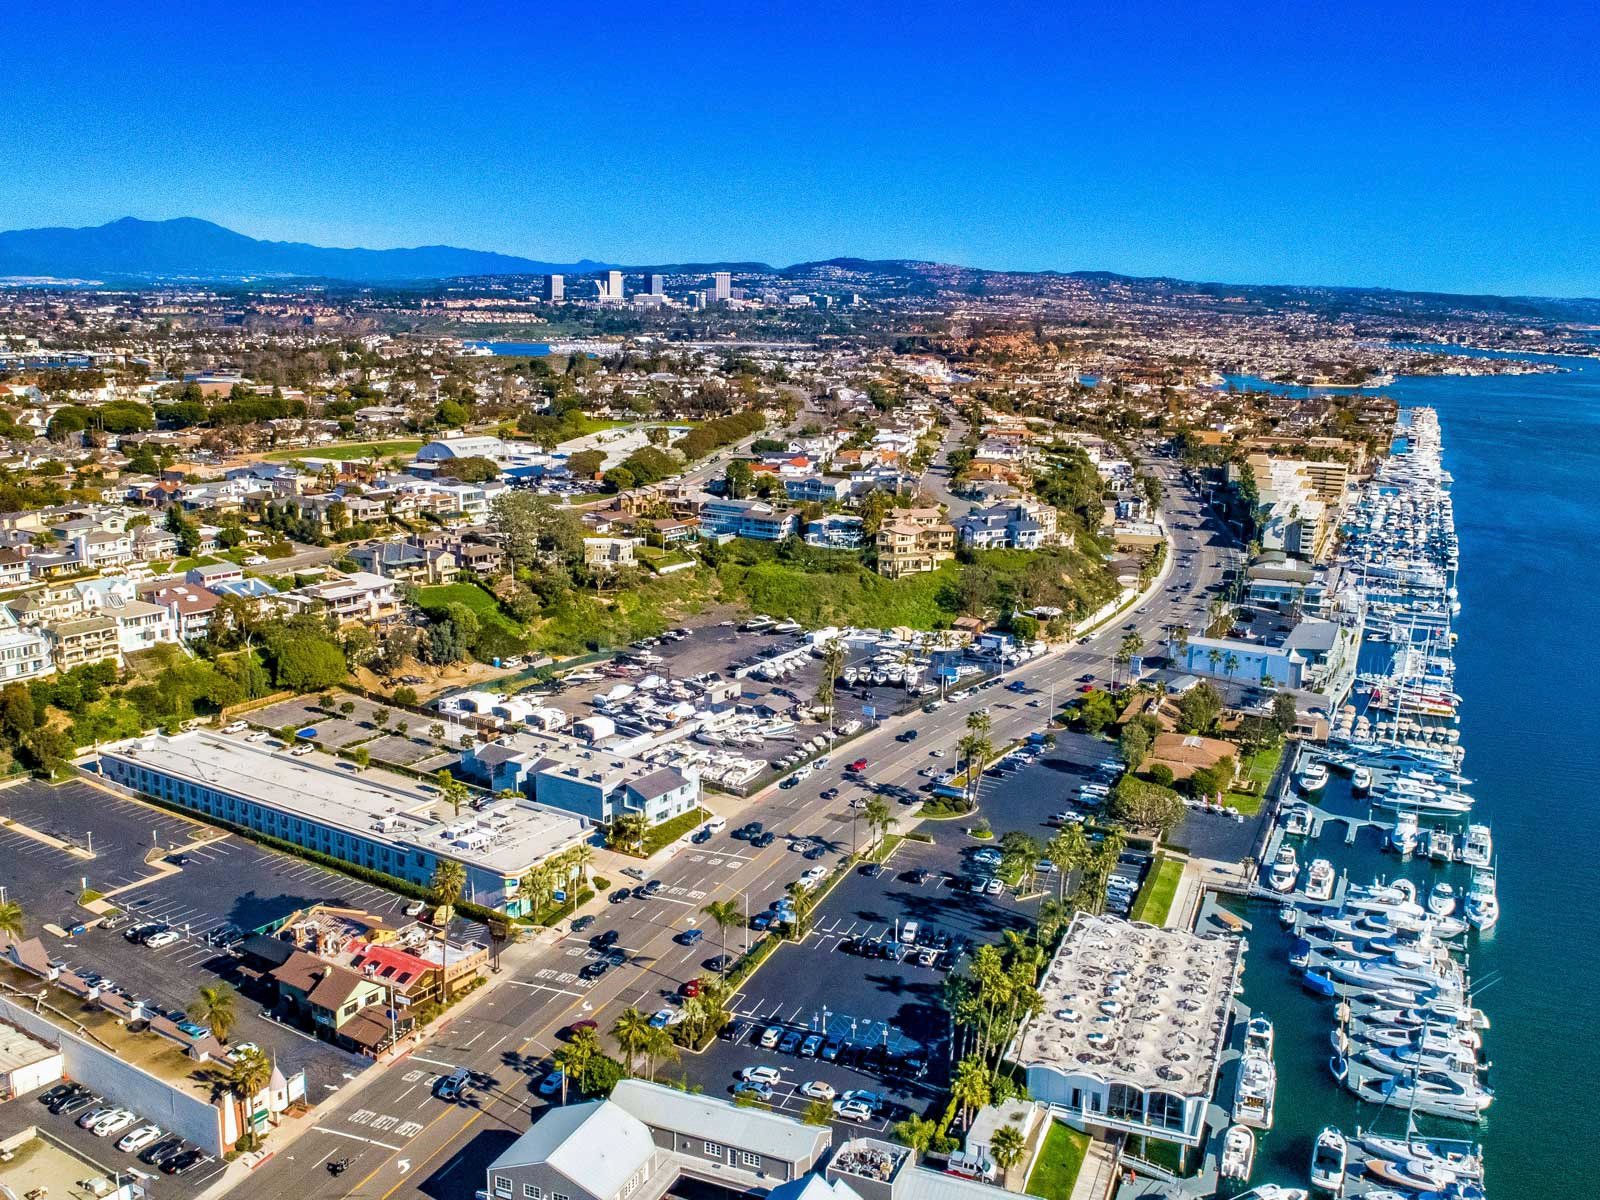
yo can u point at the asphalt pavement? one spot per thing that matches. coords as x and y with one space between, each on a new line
403 1142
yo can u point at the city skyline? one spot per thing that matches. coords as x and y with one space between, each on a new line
1378 148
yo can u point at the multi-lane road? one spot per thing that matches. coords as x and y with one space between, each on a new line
401 1141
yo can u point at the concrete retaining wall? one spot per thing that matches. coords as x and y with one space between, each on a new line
173 1108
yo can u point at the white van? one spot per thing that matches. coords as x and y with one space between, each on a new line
908 933
715 825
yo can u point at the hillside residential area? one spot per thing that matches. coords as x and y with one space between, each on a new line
733 731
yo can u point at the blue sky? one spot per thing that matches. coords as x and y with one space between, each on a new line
1450 147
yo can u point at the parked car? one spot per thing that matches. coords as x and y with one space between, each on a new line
183 1163
582 923
760 1091
791 1042
818 1090
852 1110
235 727
139 1138
74 1103
770 1036
767 1075
114 1122
166 1148
809 1048
99 1111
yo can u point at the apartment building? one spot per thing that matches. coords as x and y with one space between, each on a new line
1017 525
913 540
748 519
24 653
85 640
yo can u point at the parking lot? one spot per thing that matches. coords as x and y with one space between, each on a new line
193 886
403 739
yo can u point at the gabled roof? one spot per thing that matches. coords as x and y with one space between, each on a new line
598 1145
707 1117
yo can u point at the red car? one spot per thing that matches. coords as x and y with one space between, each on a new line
860 764
690 987
578 1027
1087 687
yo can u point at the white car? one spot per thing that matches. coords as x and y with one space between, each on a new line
936 753
237 1053
814 874
259 735
137 1140
852 1110
256 560
987 855
114 1122
165 938
994 887
818 1090
766 1075
235 727
303 749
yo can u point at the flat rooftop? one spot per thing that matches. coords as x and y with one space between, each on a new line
1135 1004
506 838
19 1049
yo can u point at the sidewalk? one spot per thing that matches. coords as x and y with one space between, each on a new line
1097 1177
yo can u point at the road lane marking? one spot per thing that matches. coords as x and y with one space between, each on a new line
354 1137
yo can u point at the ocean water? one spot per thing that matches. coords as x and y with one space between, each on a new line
1525 454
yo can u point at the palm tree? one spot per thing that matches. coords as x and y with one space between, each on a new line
582 857
536 885
1230 663
1213 656
575 1057
213 1005
632 1031
879 817
11 920
803 900
658 1046
247 1074
832 664
726 914
1007 1146
970 1087
449 880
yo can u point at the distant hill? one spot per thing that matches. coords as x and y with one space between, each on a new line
191 248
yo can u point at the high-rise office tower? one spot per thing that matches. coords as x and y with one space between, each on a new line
613 285
658 285
721 287
555 287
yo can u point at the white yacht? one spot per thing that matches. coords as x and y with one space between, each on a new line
1320 880
1464 1160
1258 1087
1431 1093
1284 871
1361 780
1297 820
1313 777
1441 845
1329 1157
1477 847
1482 907
1403 837
1442 899
1238 1153
1273 1191
1258 1036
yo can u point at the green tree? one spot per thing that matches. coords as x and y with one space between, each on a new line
970 1088
726 915
11 920
1006 1146
632 1031
214 1006
879 817
739 479
1283 713
451 790
575 1059
917 1132
248 1073
1199 709
449 879
818 1112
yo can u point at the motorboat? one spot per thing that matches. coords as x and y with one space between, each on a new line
1312 777
1412 1175
1446 1056
1442 899
1238 1153
1284 871
1288 914
1431 1093
1273 1191
1477 846
1329 1157
1463 1159
1441 845
1403 837
1318 984
1297 819
1482 907
1258 1036
1258 1086
1320 880
1361 780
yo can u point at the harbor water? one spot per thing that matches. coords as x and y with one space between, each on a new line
1525 454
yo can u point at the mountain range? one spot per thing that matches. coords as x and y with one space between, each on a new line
189 248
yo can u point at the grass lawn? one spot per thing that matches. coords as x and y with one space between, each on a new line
668 832
346 451
483 606
1254 778
1154 900
1059 1163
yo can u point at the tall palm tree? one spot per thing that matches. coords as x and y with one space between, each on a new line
248 1073
582 856
725 914
536 886
11 919
970 1088
213 1005
658 1046
575 1057
449 880
632 1031
879 817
